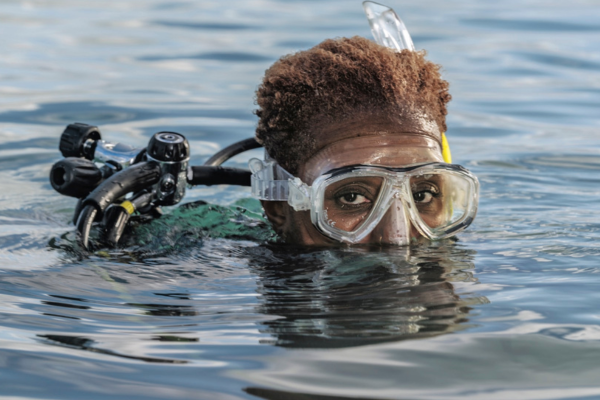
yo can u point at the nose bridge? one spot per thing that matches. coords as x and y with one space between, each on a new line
394 227
398 180
398 185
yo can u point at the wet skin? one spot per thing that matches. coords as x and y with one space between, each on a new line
368 141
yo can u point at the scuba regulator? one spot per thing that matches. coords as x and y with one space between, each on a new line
113 180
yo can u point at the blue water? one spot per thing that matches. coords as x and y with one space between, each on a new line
511 310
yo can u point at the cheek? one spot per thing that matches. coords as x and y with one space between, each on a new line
344 220
414 232
300 230
433 221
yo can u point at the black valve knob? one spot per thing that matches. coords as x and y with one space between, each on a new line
169 146
73 138
75 177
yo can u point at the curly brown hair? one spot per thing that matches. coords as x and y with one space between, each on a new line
333 81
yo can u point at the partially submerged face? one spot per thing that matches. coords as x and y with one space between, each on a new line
342 118
349 201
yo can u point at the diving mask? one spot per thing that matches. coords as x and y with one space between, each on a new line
348 203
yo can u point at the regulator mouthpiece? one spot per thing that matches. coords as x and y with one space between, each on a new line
115 182
75 177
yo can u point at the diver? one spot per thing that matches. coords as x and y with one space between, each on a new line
355 151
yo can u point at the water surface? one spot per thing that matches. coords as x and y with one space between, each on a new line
200 305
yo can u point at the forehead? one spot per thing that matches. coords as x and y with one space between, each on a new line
395 150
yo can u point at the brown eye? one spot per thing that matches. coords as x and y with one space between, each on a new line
423 197
353 199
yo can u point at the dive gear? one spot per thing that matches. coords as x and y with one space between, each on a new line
132 180
233 150
172 152
75 177
79 140
387 28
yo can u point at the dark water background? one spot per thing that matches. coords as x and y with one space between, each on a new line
511 310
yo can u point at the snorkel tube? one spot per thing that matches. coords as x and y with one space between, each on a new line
387 28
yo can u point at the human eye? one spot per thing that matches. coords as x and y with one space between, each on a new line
424 193
352 195
423 197
353 198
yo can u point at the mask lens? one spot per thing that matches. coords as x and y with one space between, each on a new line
442 198
348 202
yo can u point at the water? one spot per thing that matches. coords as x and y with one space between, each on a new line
508 311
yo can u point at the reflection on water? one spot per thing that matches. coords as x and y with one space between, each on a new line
328 298
198 305
168 308
312 298
352 297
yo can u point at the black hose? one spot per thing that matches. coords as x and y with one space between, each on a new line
84 224
206 175
117 216
133 179
231 151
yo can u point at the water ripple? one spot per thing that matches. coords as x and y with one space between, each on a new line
203 304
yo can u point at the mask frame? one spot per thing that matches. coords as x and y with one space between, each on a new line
396 184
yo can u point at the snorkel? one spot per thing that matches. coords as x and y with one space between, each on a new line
387 28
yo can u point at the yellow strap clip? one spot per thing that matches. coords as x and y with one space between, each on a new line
446 149
128 206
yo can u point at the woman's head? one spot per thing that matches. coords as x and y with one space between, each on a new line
347 102
343 81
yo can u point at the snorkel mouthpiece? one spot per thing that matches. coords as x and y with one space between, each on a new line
388 29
